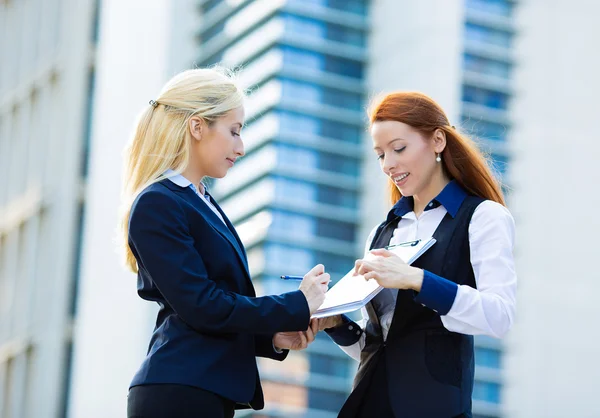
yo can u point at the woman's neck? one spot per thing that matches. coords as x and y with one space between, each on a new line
195 177
434 188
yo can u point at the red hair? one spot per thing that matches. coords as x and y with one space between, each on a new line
462 160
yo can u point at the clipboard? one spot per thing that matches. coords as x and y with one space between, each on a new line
351 292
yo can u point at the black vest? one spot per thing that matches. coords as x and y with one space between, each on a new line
429 369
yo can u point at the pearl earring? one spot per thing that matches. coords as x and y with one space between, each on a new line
438 158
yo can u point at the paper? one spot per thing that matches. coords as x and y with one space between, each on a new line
354 292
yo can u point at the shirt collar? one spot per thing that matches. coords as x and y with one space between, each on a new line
451 197
181 181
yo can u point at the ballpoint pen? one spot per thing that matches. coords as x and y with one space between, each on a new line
292 277
404 244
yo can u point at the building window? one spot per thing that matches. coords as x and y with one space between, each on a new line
293 224
210 4
484 34
351 6
291 156
294 156
338 197
298 190
500 164
485 97
288 259
486 66
487 357
335 263
326 400
298 90
333 229
339 163
294 123
483 129
213 31
289 189
306 226
312 28
497 7
310 60
486 391
329 365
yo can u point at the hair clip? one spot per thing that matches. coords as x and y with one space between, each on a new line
153 103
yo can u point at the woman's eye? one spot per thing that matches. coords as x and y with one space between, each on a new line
380 157
399 150
235 133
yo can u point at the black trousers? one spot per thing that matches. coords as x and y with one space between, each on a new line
168 401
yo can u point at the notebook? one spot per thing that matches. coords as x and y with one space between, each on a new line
353 292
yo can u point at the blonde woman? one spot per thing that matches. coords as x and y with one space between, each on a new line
201 360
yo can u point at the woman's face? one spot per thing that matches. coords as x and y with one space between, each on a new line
219 144
405 155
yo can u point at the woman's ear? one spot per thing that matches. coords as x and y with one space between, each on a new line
439 141
196 126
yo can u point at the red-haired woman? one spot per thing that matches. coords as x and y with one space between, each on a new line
415 345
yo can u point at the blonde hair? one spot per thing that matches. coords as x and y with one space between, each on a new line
161 139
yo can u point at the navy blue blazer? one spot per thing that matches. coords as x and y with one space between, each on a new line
210 326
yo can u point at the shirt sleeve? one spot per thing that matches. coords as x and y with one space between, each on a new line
350 336
489 309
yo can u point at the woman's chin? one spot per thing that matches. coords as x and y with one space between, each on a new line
219 174
405 191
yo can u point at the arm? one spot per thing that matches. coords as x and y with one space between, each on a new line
265 348
490 308
164 248
349 335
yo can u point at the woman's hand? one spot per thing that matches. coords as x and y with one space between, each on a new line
314 286
296 340
389 271
328 322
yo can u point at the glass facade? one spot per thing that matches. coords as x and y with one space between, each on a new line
312 209
39 269
486 100
487 64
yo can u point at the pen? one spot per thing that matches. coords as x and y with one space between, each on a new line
292 277
404 244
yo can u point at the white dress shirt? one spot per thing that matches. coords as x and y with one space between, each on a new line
487 310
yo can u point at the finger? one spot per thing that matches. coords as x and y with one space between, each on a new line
366 267
382 252
303 340
316 270
310 335
322 323
315 326
357 265
324 278
371 275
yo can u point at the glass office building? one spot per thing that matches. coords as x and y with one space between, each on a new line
488 63
486 97
294 197
46 93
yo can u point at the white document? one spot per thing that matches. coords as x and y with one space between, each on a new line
354 292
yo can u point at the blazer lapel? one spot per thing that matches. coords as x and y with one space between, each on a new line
227 231
231 229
